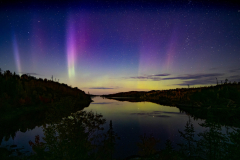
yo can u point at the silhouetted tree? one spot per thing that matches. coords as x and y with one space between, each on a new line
168 153
168 147
226 81
7 73
213 143
234 145
71 138
147 146
109 143
188 147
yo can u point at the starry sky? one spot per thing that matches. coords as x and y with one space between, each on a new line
108 47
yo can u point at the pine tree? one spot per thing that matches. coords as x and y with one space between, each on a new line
188 136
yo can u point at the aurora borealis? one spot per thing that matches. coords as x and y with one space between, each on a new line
106 48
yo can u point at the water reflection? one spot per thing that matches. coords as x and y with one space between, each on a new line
146 130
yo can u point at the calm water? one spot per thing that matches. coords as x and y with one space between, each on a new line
130 120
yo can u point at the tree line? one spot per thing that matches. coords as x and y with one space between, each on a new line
25 90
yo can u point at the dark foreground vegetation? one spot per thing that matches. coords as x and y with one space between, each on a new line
211 144
81 136
72 137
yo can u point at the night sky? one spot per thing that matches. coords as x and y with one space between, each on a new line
109 47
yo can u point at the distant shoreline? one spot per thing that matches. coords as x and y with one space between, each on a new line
225 94
220 101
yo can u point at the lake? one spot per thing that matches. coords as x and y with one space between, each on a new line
129 120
